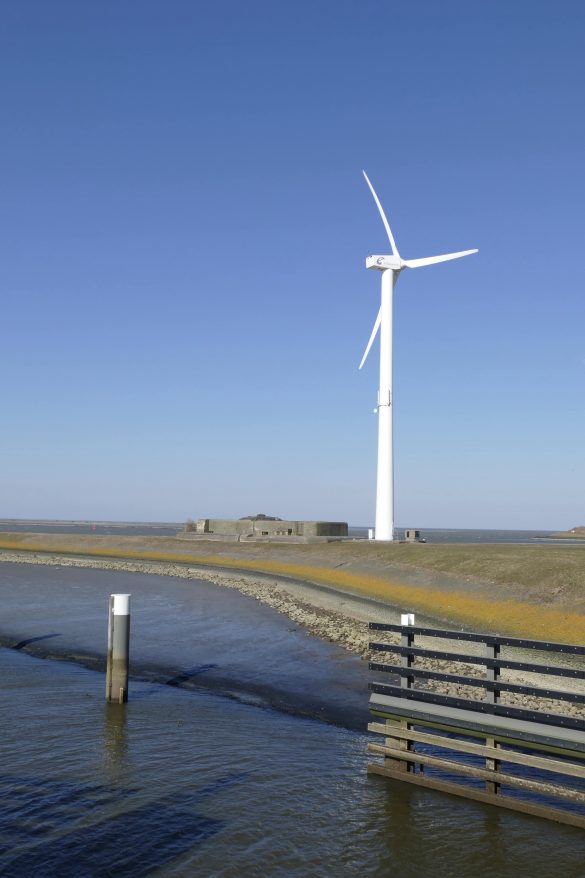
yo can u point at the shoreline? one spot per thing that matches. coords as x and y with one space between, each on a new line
535 592
330 614
323 616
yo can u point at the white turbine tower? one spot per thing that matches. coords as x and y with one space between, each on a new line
390 266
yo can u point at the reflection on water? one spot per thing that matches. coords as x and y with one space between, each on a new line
69 843
115 738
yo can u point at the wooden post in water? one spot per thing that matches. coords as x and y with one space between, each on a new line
118 648
407 661
492 696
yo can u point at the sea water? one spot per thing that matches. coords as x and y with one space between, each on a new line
241 751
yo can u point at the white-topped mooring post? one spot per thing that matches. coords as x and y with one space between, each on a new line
407 661
395 727
407 640
118 648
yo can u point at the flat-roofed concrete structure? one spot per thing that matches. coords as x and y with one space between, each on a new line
264 527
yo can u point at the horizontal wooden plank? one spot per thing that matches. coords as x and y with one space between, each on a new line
473 637
480 729
505 710
549 813
479 682
458 721
500 777
530 667
543 763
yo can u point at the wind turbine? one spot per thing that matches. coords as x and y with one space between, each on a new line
390 266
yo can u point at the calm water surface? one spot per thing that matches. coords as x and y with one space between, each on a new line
214 767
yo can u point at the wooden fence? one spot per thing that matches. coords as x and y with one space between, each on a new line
480 742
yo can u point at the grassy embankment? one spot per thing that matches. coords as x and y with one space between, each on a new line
531 591
577 533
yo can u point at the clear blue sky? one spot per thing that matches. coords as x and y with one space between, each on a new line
183 229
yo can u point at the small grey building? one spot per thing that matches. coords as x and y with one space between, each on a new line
411 535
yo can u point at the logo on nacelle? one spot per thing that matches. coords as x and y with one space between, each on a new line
384 262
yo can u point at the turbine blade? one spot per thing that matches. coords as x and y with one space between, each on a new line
431 260
384 219
372 337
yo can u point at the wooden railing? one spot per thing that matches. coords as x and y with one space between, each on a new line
532 752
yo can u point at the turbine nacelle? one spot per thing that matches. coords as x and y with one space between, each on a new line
381 263
395 263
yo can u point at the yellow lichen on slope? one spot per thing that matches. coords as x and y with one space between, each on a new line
475 611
